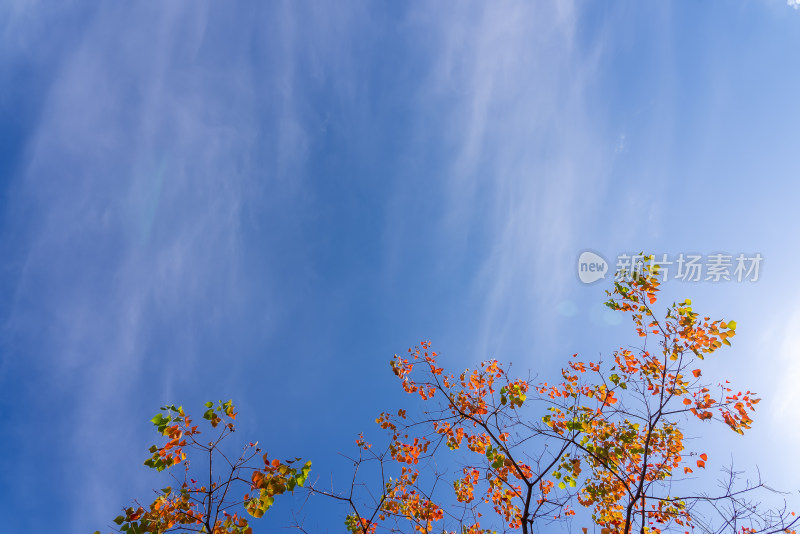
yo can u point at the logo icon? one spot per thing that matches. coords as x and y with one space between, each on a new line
591 267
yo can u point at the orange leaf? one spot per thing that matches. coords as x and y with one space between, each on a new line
704 456
701 463
696 373
687 469
687 401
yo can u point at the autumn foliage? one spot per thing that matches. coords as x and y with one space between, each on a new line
602 449
606 439
194 506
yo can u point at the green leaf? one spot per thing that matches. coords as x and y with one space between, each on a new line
119 519
209 404
303 476
732 325
562 485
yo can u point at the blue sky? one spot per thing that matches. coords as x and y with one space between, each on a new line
265 201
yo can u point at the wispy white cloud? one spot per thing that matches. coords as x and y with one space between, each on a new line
161 182
510 82
138 175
